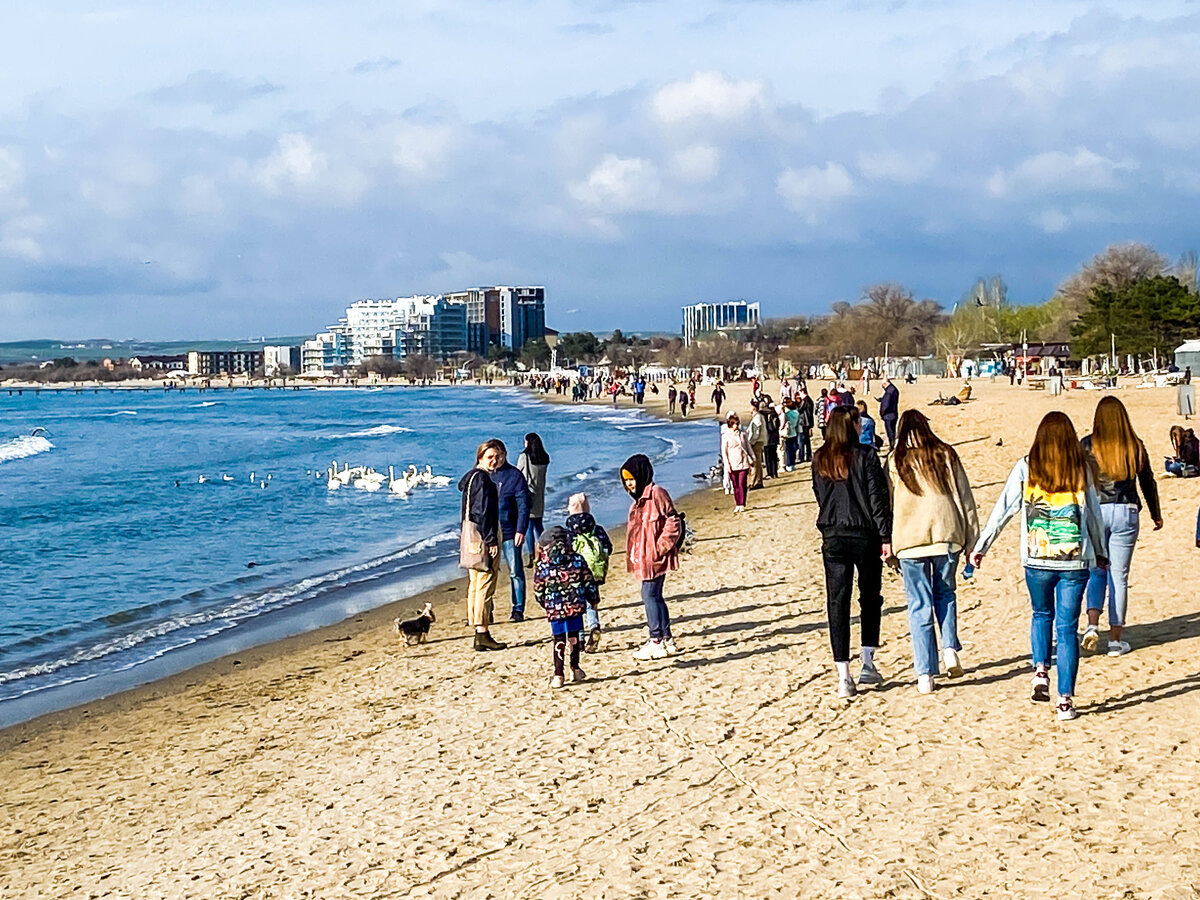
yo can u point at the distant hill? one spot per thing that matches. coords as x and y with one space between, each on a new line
21 352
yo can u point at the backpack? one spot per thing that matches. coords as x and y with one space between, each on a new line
588 546
686 535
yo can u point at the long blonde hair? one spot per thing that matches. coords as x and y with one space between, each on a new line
1118 451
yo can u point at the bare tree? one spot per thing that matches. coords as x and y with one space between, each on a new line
1119 266
1187 272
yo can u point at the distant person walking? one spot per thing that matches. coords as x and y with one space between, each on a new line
652 536
718 397
737 457
758 442
771 448
804 406
1062 538
822 410
789 430
513 500
672 391
683 403
1121 463
934 521
480 540
533 463
855 521
889 410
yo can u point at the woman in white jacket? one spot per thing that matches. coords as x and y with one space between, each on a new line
737 457
934 521
1062 537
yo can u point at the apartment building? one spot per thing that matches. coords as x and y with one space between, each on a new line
710 318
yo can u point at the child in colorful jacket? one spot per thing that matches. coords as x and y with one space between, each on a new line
563 586
591 542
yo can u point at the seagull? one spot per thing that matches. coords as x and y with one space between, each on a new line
203 479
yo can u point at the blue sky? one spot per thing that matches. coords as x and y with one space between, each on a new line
167 172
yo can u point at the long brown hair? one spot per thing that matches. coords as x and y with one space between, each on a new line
832 460
1056 460
1176 438
922 454
1118 452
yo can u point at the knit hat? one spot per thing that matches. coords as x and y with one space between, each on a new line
578 503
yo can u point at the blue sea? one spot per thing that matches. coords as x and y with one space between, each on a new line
142 533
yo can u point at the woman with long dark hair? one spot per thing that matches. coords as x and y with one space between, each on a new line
934 521
533 463
1062 538
1121 463
855 520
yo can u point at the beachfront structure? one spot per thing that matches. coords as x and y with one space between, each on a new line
277 359
146 362
225 362
326 352
502 316
393 328
709 318
1188 354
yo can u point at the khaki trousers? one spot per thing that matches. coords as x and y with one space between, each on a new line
756 476
481 587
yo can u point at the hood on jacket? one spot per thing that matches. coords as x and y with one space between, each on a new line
581 523
638 468
554 535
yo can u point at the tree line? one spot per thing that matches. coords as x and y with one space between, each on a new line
1128 291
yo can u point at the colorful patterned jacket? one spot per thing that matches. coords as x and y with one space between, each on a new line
562 583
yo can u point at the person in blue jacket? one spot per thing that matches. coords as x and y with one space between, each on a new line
513 502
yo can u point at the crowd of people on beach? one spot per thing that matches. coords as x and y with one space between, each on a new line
912 509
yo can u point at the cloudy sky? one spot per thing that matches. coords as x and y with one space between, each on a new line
168 171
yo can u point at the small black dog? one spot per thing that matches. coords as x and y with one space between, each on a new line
416 630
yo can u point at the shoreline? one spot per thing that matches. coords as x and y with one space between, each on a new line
443 595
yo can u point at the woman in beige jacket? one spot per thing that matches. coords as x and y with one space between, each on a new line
934 521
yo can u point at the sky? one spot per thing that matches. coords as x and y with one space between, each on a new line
170 172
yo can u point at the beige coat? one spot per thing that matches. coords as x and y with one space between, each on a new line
939 522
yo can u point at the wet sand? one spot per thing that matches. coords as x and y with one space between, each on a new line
341 764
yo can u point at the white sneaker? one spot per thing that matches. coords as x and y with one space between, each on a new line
669 646
556 681
846 689
953 664
924 684
1118 648
1091 639
651 650
1066 710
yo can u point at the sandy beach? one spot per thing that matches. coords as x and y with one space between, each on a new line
342 764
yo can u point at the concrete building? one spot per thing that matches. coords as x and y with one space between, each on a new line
174 363
326 352
434 327
709 318
522 315
277 358
225 362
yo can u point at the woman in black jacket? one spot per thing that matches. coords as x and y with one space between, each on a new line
855 520
481 507
771 450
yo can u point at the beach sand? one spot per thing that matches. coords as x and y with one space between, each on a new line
341 764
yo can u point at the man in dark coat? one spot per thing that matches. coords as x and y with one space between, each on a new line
889 410
513 501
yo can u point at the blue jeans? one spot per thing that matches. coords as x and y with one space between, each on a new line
516 572
1121 528
657 616
535 531
1056 596
929 584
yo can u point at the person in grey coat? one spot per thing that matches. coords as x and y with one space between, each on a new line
533 463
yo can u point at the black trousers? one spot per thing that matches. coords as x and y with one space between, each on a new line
771 460
805 451
889 422
842 555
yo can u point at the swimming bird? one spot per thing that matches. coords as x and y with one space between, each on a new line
227 478
203 479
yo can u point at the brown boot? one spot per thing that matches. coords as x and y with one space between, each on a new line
484 641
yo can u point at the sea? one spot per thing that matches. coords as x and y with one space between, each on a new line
145 532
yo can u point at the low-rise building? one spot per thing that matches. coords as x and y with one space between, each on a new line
225 362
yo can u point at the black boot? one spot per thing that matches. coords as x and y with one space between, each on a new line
484 641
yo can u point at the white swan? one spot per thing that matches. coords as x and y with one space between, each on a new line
227 478
203 479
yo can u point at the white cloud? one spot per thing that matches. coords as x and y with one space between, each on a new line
900 167
294 163
10 171
708 94
422 150
696 164
1052 221
1056 171
620 185
810 191
18 237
